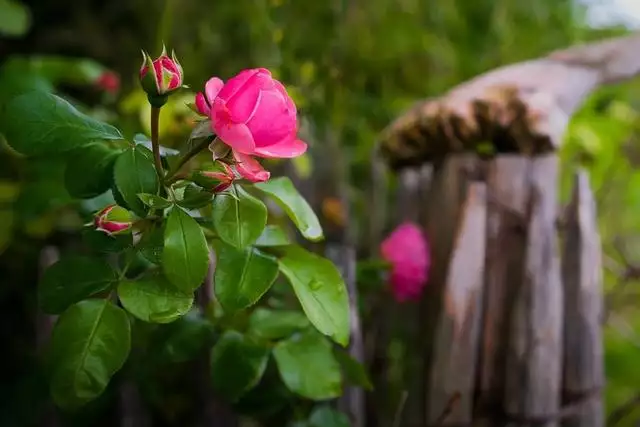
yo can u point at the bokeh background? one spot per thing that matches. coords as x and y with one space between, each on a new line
351 66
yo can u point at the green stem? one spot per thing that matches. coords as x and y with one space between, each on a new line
193 151
155 144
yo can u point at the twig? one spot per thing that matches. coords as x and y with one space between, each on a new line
172 175
448 409
398 415
622 411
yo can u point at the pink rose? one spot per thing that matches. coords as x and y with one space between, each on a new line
407 251
253 114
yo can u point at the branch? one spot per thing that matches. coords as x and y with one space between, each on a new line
620 413
522 107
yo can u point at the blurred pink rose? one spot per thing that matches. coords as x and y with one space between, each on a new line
109 82
253 114
407 251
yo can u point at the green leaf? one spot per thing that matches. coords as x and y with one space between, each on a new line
296 355
185 257
101 242
238 218
153 201
276 324
237 364
15 18
90 342
320 290
38 123
242 276
325 416
146 142
185 338
195 198
133 174
273 235
72 279
154 299
354 371
286 195
152 244
85 185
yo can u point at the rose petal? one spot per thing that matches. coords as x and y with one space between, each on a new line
283 91
242 105
235 83
212 88
250 169
236 136
168 64
283 150
272 120
202 105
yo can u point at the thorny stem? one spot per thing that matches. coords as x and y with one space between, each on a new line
155 144
172 174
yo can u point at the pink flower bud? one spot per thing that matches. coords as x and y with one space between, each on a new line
253 114
407 251
225 177
109 82
113 220
162 76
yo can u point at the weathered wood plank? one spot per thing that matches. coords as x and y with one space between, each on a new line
506 240
533 375
582 279
456 337
445 199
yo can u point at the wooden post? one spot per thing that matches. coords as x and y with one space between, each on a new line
582 277
455 223
534 358
506 240
451 386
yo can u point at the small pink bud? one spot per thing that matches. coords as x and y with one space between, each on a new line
225 177
113 220
109 82
407 251
160 77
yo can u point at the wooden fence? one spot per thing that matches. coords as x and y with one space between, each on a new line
511 319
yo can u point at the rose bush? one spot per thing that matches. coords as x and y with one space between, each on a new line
169 224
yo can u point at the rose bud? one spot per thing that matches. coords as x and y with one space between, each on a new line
113 220
160 77
221 179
